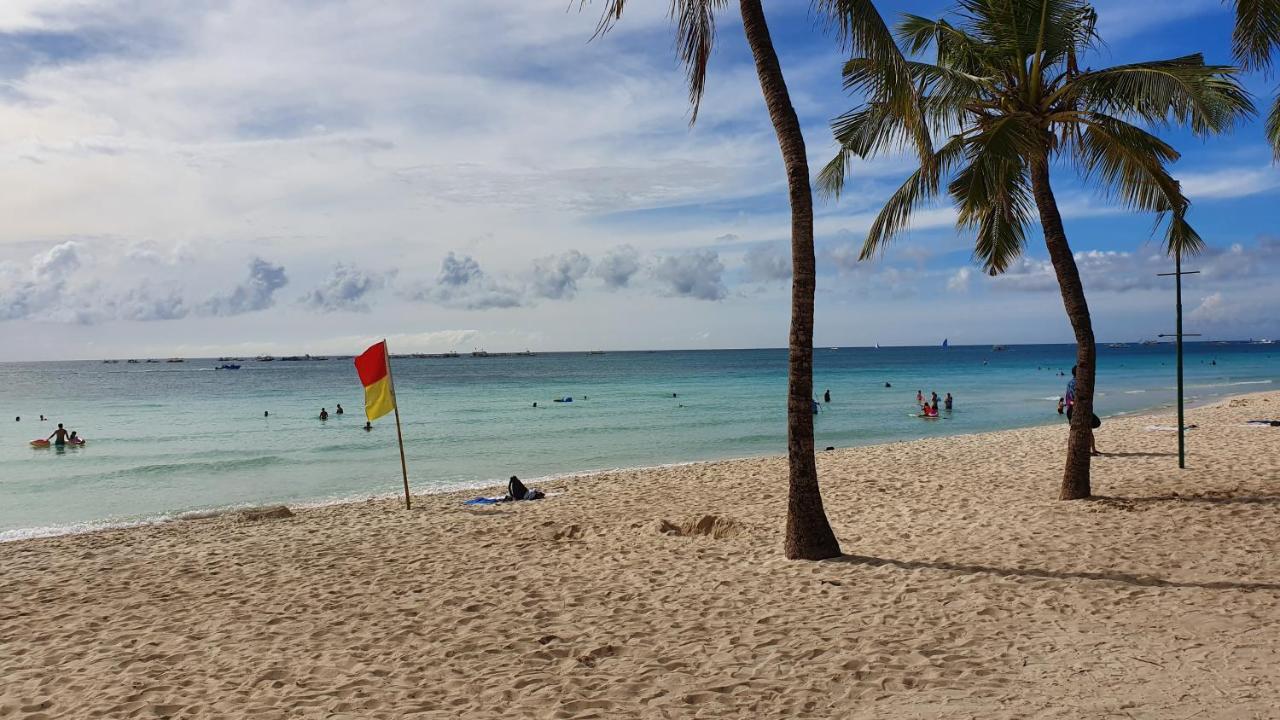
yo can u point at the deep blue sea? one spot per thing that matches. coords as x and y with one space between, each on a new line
171 438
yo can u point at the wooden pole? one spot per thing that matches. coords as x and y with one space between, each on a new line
404 469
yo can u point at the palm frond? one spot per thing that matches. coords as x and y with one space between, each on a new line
1181 90
860 28
1182 239
695 36
992 192
1130 163
1273 129
1256 36
922 186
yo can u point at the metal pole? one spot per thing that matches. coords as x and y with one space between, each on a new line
404 469
1177 280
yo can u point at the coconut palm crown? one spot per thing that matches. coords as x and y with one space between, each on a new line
1010 95
1254 42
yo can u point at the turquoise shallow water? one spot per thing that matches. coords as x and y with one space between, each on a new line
165 439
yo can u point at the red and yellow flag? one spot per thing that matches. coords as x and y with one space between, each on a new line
379 396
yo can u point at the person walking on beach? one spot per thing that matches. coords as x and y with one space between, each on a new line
1071 402
60 434
826 396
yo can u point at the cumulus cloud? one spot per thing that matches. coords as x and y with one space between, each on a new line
766 263
344 289
556 277
696 275
256 293
618 266
463 285
42 287
145 304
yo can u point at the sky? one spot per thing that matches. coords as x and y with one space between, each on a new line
231 178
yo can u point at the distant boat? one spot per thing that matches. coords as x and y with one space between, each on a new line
526 353
877 346
451 354
110 362
228 366
1118 345
153 361
175 360
1265 341
998 348
265 358
945 344
131 361
595 352
1150 342
479 353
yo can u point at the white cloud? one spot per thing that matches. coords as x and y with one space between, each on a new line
557 278
347 288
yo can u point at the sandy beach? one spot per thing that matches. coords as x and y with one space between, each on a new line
969 591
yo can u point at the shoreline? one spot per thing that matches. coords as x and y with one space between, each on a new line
20 535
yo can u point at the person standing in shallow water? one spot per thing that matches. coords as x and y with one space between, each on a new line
60 434
826 396
947 402
324 414
339 410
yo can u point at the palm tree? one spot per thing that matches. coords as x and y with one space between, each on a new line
1008 91
1255 39
859 26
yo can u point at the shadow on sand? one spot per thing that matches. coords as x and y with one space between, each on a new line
1138 580
1205 498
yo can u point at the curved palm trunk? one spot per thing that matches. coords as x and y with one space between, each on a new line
808 534
1075 480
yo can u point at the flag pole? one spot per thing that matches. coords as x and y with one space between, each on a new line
404 469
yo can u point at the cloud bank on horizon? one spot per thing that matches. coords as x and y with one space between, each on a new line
184 178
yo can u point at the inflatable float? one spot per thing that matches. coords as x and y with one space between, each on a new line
40 443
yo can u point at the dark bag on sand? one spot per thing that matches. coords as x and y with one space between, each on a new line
1097 422
516 489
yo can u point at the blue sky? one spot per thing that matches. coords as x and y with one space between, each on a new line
192 178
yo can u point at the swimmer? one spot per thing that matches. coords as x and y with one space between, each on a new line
74 439
368 426
947 402
919 398
673 395
18 419
816 406
60 434
324 414
266 413
1062 405
826 396
888 384
339 410
535 404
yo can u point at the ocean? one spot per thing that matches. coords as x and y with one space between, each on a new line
167 439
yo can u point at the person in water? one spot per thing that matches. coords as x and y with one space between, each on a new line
368 426
888 384
266 413
933 403
60 434
928 410
816 406
324 414
339 410
1061 406
826 396
919 398
74 439
947 402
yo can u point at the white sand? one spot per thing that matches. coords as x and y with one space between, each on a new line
970 592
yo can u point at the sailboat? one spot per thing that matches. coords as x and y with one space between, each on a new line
877 346
945 344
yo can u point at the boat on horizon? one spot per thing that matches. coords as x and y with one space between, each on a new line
999 348
228 366
265 358
945 343
595 352
175 360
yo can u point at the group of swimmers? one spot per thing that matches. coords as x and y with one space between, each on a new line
62 437
324 415
930 408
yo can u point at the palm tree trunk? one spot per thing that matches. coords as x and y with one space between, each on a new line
1075 479
808 534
